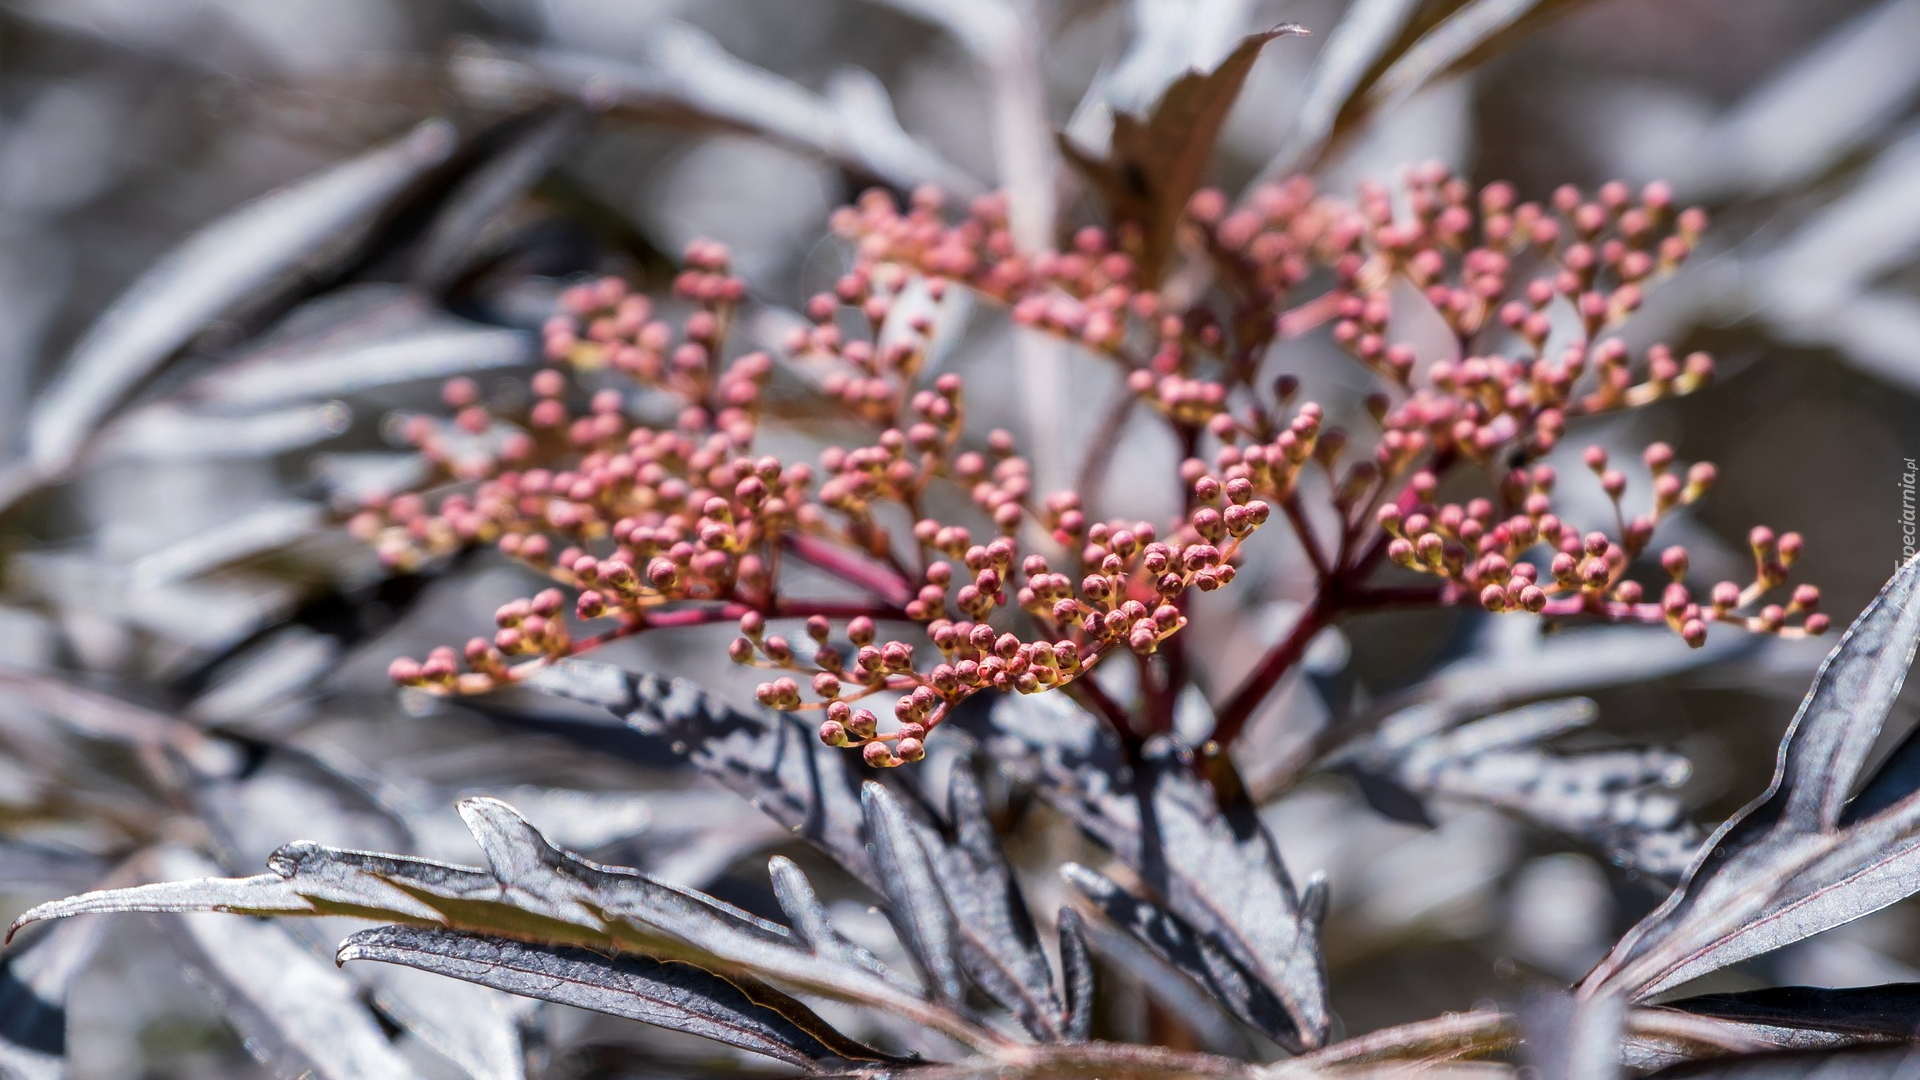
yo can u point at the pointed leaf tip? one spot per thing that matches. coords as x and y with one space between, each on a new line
1795 862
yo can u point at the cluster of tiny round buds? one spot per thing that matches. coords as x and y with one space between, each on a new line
650 525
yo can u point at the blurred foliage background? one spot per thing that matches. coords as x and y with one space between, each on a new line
126 125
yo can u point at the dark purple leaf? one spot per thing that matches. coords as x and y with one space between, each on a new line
1889 1013
1477 28
286 791
437 352
1366 32
771 759
684 76
1611 797
299 1014
531 891
1076 973
916 903
665 993
1792 863
1185 1000
1178 944
999 945
812 927
1217 870
1155 163
1876 1063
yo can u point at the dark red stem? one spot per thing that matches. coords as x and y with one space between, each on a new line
871 576
1232 716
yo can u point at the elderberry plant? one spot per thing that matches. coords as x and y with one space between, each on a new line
1081 873
646 527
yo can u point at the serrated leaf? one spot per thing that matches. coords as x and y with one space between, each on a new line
1179 945
1217 870
1789 864
770 759
210 274
664 993
300 1015
999 945
776 762
810 924
1155 163
1076 973
286 791
1611 797
531 891
1810 1016
916 903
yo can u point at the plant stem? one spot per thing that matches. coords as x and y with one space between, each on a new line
1297 517
1232 716
882 582
1090 696
1455 1035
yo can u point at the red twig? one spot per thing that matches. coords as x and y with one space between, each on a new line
1089 694
1232 716
879 580
1297 517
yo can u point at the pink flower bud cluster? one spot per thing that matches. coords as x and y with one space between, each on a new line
645 527
1128 595
1528 291
679 520
1483 556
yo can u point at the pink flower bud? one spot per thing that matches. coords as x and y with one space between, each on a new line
1790 547
1674 560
